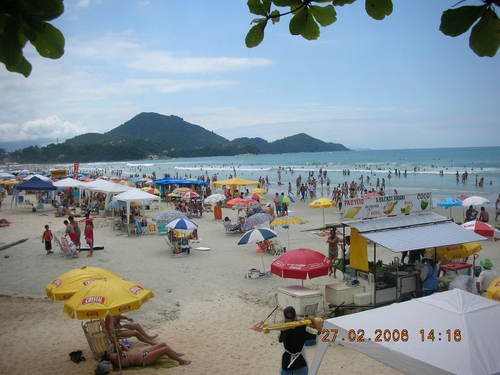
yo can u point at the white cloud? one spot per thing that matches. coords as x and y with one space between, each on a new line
164 62
122 48
172 85
49 127
86 3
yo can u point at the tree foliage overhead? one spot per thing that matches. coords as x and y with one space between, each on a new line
307 16
27 20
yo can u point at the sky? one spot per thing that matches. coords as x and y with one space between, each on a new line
396 83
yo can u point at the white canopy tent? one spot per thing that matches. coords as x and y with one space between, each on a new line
68 183
135 195
475 350
106 187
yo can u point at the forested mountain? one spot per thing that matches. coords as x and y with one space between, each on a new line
295 143
149 134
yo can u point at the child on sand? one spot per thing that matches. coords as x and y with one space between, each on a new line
47 239
89 236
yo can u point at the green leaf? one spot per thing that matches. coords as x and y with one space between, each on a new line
267 5
298 22
41 10
378 9
23 67
324 15
256 7
258 20
11 51
275 16
48 41
341 3
4 20
457 21
255 35
311 30
303 23
287 3
485 35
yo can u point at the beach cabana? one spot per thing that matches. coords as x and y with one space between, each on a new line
453 332
135 195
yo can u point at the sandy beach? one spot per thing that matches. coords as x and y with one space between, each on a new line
203 304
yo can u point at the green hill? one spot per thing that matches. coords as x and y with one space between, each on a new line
295 143
163 136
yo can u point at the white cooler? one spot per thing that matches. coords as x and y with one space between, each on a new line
339 293
305 301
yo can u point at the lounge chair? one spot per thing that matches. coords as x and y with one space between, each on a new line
68 249
98 339
230 228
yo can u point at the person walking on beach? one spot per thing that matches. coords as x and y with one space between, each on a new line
333 250
47 239
89 236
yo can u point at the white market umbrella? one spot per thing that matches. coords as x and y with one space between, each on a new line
474 201
6 176
214 198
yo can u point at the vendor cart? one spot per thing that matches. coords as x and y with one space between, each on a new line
393 281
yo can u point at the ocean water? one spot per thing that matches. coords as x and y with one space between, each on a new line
423 168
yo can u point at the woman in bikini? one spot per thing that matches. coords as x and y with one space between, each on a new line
146 356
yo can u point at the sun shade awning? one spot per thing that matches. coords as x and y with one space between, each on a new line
422 236
395 222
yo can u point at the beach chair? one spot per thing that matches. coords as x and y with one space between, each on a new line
138 228
230 228
162 227
68 249
98 339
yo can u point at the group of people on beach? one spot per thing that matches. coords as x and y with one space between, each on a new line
72 230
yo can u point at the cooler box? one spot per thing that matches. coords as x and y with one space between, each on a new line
339 293
361 299
305 301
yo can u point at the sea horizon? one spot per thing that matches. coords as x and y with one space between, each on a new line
428 169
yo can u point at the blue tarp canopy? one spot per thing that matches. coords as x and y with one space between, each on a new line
175 181
34 183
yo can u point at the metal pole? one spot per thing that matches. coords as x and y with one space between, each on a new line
375 273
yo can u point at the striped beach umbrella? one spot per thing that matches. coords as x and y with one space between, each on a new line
182 224
257 235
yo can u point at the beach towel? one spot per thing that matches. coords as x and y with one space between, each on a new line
163 362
